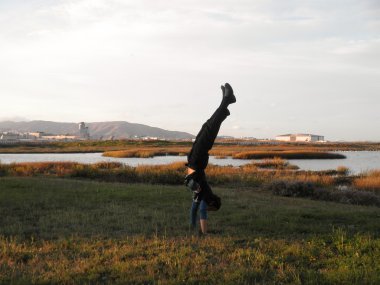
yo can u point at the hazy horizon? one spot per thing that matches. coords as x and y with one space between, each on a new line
24 120
296 66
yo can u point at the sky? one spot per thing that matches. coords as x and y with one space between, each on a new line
295 66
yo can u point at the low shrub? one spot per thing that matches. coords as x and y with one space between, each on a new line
275 163
356 197
4 170
108 165
302 189
291 189
127 174
83 171
342 170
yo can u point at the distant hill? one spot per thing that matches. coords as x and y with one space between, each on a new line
105 130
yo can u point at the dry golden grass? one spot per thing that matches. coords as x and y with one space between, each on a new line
275 163
146 152
342 170
369 181
289 154
41 168
223 151
331 259
252 174
321 180
221 148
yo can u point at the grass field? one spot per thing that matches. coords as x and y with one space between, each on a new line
55 230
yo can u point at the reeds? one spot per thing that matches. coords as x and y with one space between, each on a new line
253 174
275 163
146 152
288 155
221 147
224 152
342 170
40 168
368 181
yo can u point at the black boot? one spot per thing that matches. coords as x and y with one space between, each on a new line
228 95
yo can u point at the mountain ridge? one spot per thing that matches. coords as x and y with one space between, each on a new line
105 130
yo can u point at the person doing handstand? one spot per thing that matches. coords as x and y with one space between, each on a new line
197 160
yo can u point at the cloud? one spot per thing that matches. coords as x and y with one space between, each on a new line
14 119
114 59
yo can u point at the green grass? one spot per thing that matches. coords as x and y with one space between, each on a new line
73 231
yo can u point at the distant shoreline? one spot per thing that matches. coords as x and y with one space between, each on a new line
223 148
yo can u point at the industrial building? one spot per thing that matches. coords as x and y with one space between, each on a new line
300 138
14 137
83 131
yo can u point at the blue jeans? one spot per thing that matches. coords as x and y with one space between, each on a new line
202 206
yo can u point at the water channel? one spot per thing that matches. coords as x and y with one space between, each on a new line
356 161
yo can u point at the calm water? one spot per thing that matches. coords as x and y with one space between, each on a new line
357 162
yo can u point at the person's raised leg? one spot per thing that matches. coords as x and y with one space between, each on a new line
228 95
198 156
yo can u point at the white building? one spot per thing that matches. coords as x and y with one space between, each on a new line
300 138
9 136
37 135
14 137
59 138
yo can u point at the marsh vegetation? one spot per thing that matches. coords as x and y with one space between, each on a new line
222 148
